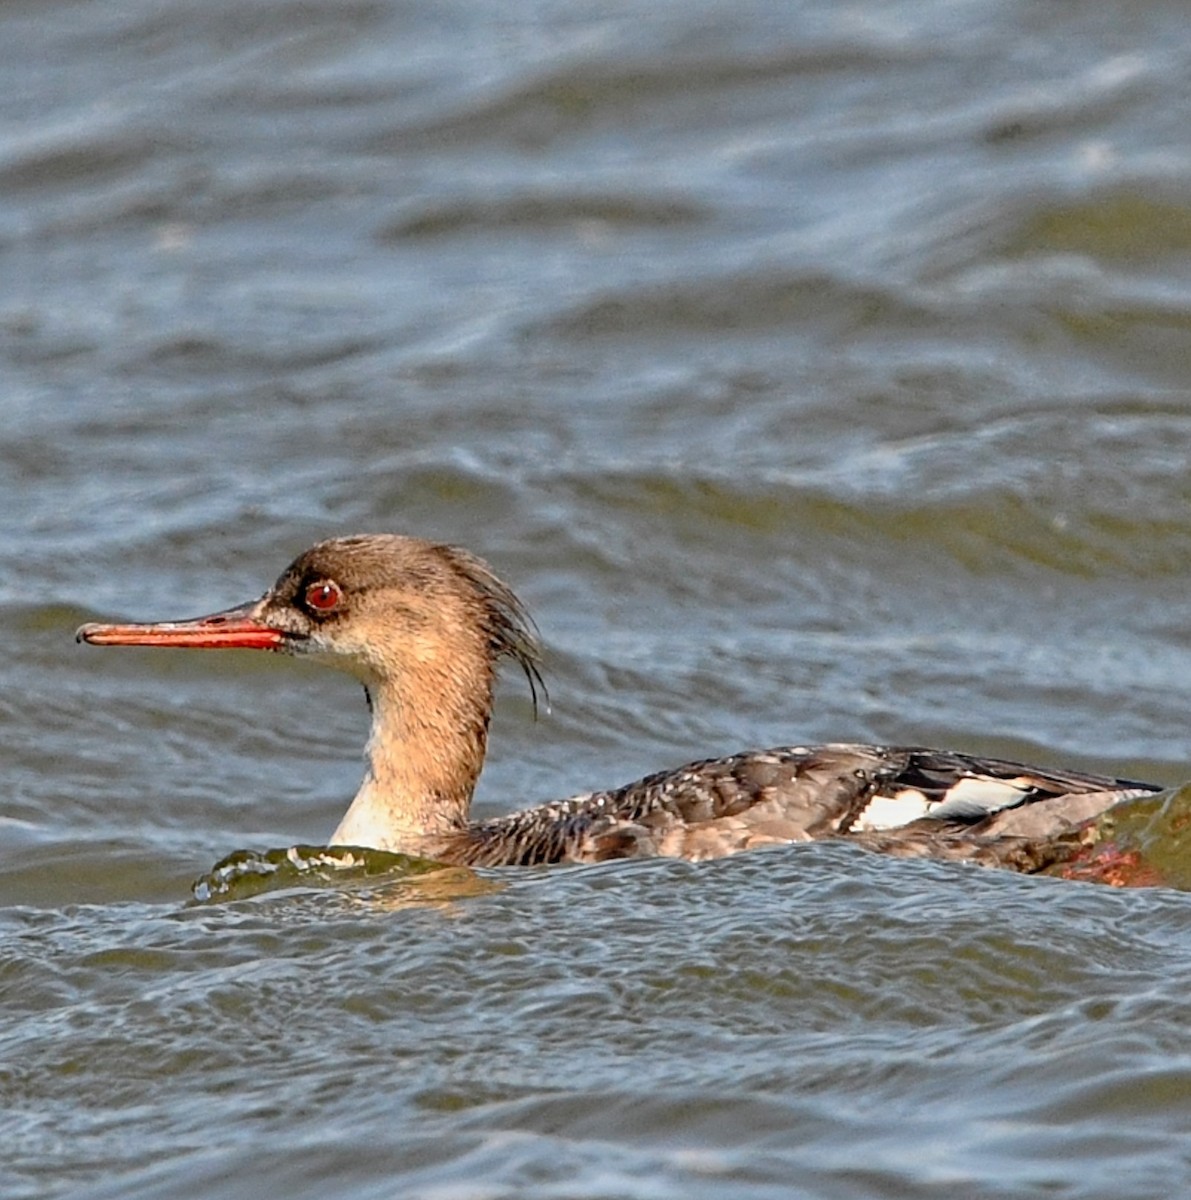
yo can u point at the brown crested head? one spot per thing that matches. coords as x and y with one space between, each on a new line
382 605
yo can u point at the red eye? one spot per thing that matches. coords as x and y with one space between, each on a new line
324 597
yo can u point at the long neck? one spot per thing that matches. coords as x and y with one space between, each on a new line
423 763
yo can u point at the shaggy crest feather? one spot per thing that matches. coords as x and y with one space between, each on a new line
511 631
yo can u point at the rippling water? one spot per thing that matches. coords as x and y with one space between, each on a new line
815 372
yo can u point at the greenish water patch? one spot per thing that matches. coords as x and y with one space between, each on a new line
1145 842
1123 226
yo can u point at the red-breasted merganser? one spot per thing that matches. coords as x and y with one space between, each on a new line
424 625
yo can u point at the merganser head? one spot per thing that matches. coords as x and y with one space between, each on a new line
379 606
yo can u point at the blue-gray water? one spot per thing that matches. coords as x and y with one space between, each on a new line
815 371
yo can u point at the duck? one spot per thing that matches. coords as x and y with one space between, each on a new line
424 626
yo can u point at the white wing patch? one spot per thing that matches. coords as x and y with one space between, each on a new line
968 799
888 812
978 796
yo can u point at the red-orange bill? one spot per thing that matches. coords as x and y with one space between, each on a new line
235 628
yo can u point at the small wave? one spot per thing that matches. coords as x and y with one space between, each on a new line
536 211
247 873
740 303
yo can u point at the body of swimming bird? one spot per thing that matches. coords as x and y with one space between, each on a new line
424 626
